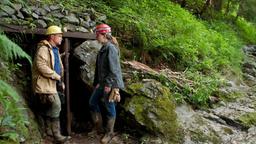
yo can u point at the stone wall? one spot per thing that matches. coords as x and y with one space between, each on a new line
41 16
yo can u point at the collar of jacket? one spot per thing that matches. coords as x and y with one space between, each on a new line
45 43
48 45
104 47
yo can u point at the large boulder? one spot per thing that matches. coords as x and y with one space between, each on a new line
152 106
87 53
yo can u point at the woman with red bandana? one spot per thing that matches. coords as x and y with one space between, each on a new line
107 81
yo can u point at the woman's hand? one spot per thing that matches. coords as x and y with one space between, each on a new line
114 95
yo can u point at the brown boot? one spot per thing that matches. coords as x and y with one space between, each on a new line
97 122
110 131
56 131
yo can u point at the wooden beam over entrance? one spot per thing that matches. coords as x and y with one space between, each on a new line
41 31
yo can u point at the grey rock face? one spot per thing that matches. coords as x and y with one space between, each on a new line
71 19
8 10
41 23
3 14
87 53
17 7
20 15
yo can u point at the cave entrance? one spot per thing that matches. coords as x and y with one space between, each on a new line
75 111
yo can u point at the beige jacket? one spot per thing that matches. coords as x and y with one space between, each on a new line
43 75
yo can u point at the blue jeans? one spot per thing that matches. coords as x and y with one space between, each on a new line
96 96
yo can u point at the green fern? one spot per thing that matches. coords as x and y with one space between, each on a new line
12 121
10 50
6 89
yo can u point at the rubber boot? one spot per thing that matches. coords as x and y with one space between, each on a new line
48 129
56 132
97 122
109 131
41 124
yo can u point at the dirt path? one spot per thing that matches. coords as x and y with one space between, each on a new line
84 138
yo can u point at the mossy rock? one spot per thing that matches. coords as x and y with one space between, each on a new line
248 119
200 137
153 107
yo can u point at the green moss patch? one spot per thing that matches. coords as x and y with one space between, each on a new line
155 113
248 119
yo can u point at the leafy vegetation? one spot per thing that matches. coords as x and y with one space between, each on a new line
163 32
202 38
12 120
11 50
247 10
248 119
246 30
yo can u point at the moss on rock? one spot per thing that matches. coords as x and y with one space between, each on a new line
248 119
200 136
153 107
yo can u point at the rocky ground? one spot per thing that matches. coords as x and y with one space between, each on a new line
227 122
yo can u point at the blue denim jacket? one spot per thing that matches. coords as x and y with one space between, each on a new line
108 69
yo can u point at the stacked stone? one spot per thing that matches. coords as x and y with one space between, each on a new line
41 16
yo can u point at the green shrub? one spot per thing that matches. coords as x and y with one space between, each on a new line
12 121
171 34
203 87
168 33
246 30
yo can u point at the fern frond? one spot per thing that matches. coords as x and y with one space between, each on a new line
9 50
7 90
12 118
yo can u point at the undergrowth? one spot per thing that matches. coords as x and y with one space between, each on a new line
12 121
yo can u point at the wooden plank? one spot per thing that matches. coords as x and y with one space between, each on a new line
67 88
40 31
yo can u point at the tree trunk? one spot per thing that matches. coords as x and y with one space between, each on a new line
239 9
217 4
228 7
205 7
181 2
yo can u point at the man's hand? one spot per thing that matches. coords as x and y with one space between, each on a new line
63 86
58 78
60 86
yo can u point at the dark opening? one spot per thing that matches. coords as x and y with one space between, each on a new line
79 96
